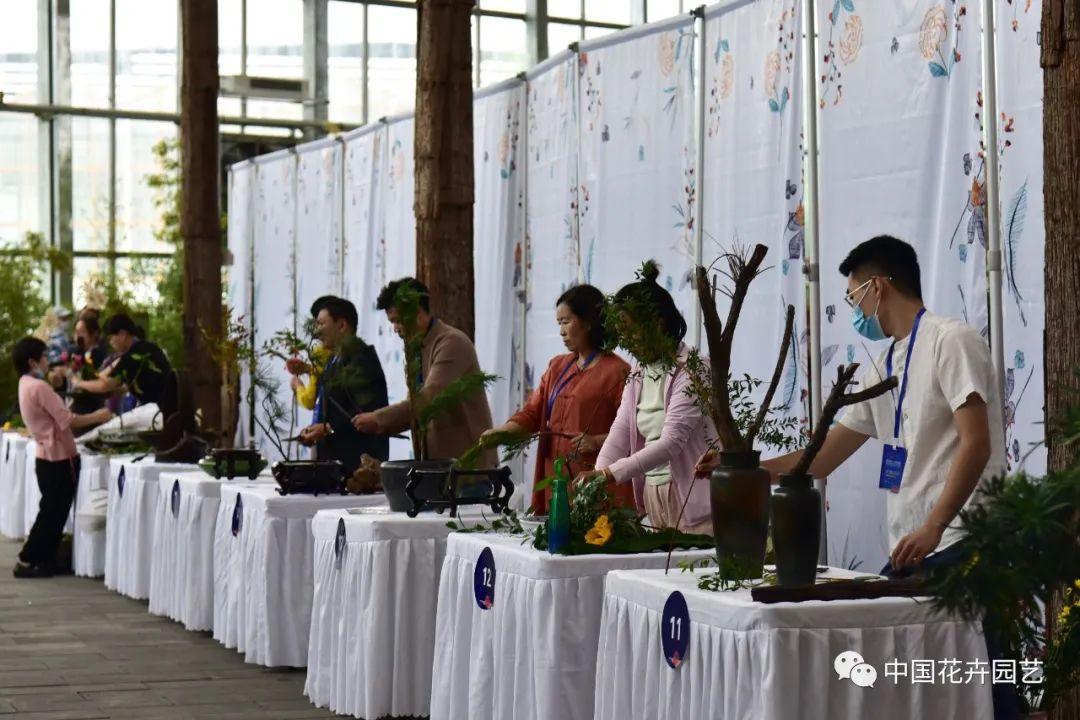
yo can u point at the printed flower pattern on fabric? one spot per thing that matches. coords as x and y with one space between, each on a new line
843 48
684 210
1015 5
972 220
723 82
776 75
933 37
1012 397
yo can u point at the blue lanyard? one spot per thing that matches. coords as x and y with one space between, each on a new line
559 387
907 366
317 415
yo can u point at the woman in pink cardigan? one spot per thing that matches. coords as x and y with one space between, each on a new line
659 433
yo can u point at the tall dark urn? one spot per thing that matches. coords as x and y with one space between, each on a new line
796 529
740 514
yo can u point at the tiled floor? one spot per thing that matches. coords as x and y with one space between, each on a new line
72 650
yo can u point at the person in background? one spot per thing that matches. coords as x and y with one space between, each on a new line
94 351
89 339
351 383
658 432
446 355
57 460
60 344
307 391
578 396
141 366
942 427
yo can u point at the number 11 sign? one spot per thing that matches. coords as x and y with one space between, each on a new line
675 630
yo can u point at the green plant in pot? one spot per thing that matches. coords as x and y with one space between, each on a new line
431 475
739 486
796 504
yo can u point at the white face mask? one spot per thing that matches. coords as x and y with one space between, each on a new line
36 371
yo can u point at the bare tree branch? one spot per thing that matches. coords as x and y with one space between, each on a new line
838 399
785 346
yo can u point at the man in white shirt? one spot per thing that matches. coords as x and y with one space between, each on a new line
942 427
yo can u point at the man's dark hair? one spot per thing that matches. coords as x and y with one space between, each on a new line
27 349
320 303
88 313
671 320
889 257
122 321
341 309
388 295
587 303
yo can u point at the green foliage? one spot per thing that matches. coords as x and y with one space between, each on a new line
632 323
1022 536
166 310
24 267
453 395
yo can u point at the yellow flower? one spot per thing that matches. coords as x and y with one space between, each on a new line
7 426
1076 584
600 532
1064 616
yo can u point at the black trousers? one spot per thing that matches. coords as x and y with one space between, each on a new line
57 481
1006 703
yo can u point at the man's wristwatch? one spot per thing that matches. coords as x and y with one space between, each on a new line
329 429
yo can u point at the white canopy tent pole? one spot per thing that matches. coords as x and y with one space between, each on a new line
993 188
699 229
812 267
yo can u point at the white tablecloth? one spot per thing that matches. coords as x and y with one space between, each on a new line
533 653
373 612
774 662
89 537
13 485
264 576
129 530
182 573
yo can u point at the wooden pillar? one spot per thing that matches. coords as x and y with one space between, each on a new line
1061 190
444 159
200 212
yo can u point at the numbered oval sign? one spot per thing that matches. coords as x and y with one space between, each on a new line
120 480
339 540
484 580
174 499
237 516
675 629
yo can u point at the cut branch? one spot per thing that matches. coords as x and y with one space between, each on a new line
785 346
838 399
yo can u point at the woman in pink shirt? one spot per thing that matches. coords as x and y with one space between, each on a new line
50 423
659 431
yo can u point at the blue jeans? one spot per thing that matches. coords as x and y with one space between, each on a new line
1006 703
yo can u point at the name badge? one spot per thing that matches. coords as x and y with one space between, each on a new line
893 459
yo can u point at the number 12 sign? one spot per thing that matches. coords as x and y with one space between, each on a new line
484 580
675 630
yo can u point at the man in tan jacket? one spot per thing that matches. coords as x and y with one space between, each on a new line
446 355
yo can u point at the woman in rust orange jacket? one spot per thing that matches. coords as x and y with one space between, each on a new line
578 396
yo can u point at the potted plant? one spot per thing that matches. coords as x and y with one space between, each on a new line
795 506
1022 576
430 478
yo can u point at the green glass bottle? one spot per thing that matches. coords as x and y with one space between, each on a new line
559 511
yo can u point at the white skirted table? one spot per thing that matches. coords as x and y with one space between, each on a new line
13 485
88 559
517 628
182 573
741 659
129 530
373 611
263 570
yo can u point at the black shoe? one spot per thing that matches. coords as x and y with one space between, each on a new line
22 570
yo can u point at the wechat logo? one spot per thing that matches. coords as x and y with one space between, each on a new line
850 665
